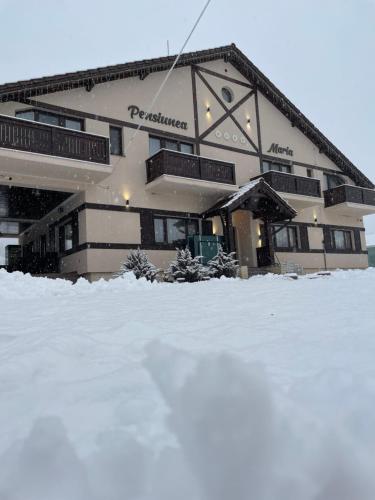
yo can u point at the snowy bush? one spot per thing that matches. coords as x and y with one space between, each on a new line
224 264
137 262
186 267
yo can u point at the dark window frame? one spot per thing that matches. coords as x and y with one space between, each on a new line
73 222
276 166
165 229
61 118
310 173
121 148
163 140
347 239
330 178
288 228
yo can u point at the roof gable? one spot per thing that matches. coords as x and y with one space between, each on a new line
230 53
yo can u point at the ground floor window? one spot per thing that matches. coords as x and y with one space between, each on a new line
66 237
285 237
341 239
173 230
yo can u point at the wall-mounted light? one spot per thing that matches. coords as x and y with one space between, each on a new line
207 109
127 203
315 220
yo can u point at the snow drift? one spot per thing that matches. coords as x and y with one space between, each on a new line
258 389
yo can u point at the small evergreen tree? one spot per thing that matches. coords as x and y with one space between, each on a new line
137 262
186 267
224 264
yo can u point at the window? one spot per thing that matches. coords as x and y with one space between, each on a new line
341 240
279 167
227 94
115 139
285 237
66 237
157 143
172 230
9 228
51 119
309 172
333 180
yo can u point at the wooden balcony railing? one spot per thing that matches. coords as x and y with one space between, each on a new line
24 135
349 194
294 184
170 162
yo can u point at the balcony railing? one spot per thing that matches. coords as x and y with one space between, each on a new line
167 162
293 184
24 135
349 194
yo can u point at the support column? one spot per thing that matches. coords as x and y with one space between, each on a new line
269 239
226 220
231 247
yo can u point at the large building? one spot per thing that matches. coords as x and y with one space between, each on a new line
88 171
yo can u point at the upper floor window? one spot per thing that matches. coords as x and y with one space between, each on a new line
51 119
115 139
227 94
280 167
309 172
157 143
333 180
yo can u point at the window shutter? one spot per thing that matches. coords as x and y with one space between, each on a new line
207 229
304 238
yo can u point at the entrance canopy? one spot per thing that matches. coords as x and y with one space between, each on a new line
258 197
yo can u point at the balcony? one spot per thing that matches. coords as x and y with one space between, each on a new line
300 192
29 148
350 200
172 171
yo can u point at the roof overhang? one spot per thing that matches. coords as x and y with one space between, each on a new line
23 90
258 197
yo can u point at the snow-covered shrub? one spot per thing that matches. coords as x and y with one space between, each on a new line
223 264
186 267
137 262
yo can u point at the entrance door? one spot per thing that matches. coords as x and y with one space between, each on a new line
263 251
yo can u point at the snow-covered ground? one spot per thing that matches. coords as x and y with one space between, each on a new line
224 390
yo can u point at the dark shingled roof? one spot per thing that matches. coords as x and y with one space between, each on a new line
230 53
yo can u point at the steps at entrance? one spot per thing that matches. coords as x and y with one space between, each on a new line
280 268
254 271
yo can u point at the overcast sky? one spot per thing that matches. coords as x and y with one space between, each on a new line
319 53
